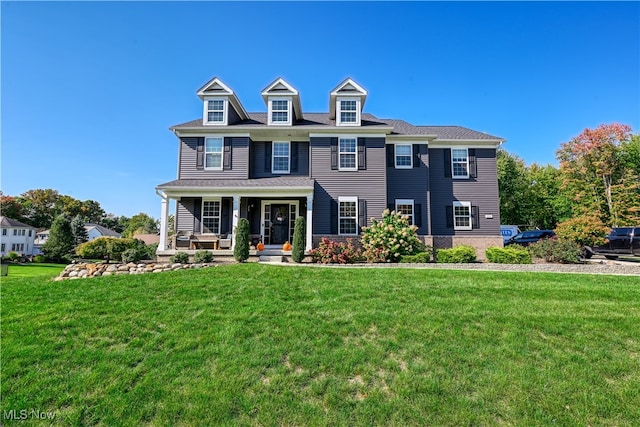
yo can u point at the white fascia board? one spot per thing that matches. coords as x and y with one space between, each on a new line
210 131
261 192
202 91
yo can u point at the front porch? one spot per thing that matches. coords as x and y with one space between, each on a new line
226 255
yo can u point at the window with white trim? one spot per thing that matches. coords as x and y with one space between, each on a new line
404 156
348 113
347 151
348 216
215 111
211 216
279 111
2 247
460 162
462 216
4 231
15 231
213 153
405 207
280 162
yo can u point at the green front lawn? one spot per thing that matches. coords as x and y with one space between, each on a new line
268 345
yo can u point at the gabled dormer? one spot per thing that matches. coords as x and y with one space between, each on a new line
346 102
283 103
221 106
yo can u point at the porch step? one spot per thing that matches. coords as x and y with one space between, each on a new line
271 258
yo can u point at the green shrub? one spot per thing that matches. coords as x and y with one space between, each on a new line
13 256
330 252
299 234
508 255
583 230
556 250
202 257
179 257
391 238
419 258
131 255
113 248
241 248
39 259
459 254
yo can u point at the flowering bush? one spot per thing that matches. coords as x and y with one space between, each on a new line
391 238
330 252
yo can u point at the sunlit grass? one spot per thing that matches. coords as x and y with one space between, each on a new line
269 345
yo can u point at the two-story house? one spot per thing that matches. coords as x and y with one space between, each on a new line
16 236
337 169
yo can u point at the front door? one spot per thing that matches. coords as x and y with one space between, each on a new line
279 224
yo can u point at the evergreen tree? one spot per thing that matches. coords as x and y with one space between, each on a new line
299 231
80 234
241 248
59 247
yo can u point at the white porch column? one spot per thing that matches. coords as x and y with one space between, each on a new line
164 216
235 217
309 244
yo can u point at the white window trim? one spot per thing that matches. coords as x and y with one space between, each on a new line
213 152
289 112
395 156
348 199
413 208
453 175
273 157
459 227
339 110
355 153
225 111
202 216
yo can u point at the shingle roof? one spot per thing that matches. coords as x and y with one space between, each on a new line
399 127
298 182
10 222
103 230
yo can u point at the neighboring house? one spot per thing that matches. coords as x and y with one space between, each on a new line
337 169
93 231
16 236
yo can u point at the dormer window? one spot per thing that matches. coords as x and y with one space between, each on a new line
348 112
279 111
215 111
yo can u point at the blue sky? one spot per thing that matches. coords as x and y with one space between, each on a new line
89 89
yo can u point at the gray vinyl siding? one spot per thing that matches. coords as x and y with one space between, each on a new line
369 185
239 160
411 184
233 116
481 191
185 213
258 154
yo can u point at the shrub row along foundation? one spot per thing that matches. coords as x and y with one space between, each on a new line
78 271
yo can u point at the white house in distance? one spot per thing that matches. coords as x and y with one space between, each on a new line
93 231
16 237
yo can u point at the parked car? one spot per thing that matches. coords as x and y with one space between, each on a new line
527 237
620 241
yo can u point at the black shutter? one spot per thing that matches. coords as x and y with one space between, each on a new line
334 217
447 162
475 217
294 157
416 156
390 154
197 214
417 215
362 213
334 153
449 214
362 154
226 154
473 164
267 157
200 154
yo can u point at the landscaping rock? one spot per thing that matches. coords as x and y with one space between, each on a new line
78 271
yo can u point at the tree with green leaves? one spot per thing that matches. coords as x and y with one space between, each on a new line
513 185
59 247
241 247
80 234
299 238
140 224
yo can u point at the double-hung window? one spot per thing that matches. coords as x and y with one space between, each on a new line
280 162
213 153
215 111
347 152
348 216
462 216
404 156
460 162
211 217
280 112
4 231
405 207
348 113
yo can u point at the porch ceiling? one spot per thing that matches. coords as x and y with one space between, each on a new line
280 186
